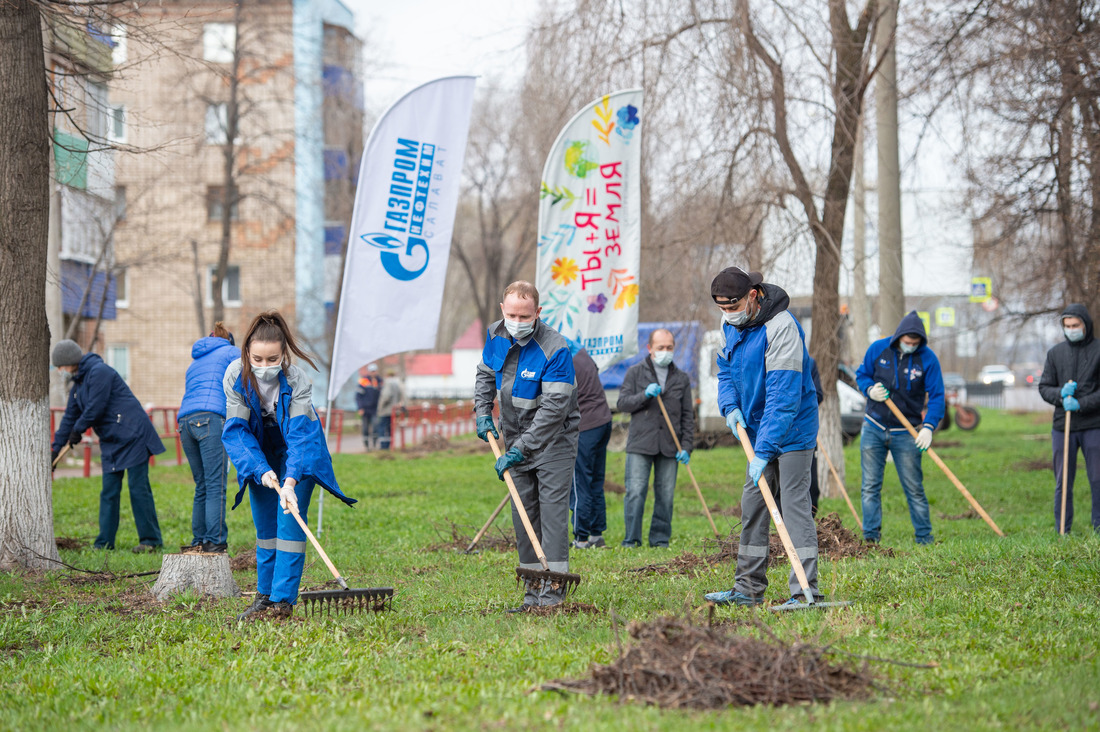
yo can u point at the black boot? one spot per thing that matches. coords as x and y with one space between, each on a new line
257 604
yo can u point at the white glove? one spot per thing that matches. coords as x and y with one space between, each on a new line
287 498
270 480
924 439
878 392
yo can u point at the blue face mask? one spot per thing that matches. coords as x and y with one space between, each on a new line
1073 335
906 349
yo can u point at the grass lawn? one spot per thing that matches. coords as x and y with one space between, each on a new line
1012 624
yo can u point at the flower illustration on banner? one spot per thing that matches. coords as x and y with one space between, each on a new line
580 159
565 270
628 120
596 303
627 297
559 310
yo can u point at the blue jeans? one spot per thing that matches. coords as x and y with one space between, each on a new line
382 429
201 437
638 467
141 503
873 446
587 502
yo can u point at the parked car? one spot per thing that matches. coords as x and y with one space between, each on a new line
852 407
997 373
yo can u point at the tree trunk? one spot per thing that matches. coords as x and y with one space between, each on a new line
230 198
26 509
891 275
206 574
200 311
861 307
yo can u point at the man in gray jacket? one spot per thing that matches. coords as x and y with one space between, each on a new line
649 445
527 365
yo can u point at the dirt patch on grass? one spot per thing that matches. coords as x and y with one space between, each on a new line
565 608
70 544
674 664
833 540
940 444
243 560
971 514
610 486
1032 466
456 537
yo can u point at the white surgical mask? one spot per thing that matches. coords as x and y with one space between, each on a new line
267 373
662 358
737 318
518 329
1074 334
906 348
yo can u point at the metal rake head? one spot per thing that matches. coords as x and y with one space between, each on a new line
541 579
347 602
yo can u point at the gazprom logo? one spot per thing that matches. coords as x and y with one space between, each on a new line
399 257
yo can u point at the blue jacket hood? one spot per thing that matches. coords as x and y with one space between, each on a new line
205 345
911 324
87 362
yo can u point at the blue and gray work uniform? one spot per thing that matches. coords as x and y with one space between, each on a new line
764 370
534 381
289 441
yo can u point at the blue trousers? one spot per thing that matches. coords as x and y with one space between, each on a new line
141 503
280 541
1088 442
874 443
587 501
201 437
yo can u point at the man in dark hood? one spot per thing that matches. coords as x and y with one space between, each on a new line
765 387
1071 382
904 369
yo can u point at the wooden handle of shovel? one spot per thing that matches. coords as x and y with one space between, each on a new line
839 482
1065 473
519 508
698 492
316 545
951 476
784 535
67 447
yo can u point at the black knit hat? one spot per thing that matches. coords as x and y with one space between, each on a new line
733 283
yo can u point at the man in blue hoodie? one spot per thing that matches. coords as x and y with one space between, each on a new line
904 369
764 385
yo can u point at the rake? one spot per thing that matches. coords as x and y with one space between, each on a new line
538 579
347 600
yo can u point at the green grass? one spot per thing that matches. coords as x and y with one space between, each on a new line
1012 624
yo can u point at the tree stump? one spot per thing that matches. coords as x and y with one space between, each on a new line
208 574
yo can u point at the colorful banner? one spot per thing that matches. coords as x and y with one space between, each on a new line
400 237
590 228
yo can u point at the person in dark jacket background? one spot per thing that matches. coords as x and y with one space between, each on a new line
366 402
100 399
1071 382
200 421
904 369
587 500
649 446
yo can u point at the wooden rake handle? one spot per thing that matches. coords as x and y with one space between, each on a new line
839 482
519 507
946 471
477 538
698 492
316 545
67 447
784 535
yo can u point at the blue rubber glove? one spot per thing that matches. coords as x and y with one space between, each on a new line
683 457
507 460
1070 404
485 426
756 469
653 390
735 418
1069 389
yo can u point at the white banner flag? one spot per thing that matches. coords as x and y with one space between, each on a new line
400 237
590 228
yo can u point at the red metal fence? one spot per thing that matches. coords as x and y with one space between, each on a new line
414 424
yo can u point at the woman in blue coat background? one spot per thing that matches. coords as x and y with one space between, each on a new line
275 440
100 399
201 419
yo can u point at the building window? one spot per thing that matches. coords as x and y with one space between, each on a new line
217 122
118 52
215 199
122 288
98 112
117 123
231 286
118 358
218 42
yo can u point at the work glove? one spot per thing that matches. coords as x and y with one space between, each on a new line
735 418
1070 404
878 392
683 457
507 460
485 426
53 458
1069 389
756 469
653 390
75 437
270 480
288 498
923 440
